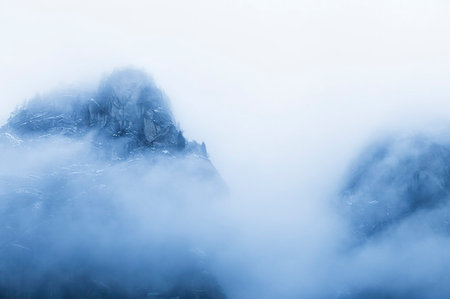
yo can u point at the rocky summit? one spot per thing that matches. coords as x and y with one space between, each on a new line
127 112
101 196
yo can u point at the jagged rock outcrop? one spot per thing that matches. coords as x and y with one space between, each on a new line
127 111
396 179
98 195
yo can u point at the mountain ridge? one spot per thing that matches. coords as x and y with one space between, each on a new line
127 111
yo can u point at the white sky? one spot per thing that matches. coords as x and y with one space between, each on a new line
277 89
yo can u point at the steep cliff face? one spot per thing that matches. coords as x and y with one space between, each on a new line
395 180
127 111
101 196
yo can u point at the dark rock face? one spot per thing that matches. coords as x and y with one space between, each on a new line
127 111
92 191
397 179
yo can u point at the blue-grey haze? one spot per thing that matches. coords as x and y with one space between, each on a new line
102 196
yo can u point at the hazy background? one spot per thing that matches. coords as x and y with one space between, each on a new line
282 79
284 93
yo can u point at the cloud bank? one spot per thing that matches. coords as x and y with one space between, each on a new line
102 196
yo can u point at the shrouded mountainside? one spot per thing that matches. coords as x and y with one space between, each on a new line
396 201
127 114
101 196
398 179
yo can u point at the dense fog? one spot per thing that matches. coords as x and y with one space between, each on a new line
102 196
282 149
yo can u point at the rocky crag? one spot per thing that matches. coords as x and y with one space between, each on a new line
100 195
127 112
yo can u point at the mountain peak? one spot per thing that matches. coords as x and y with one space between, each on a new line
126 111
